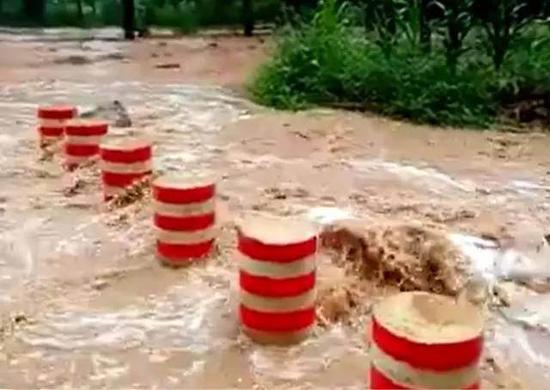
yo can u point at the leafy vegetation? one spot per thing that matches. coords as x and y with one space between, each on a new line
468 69
185 15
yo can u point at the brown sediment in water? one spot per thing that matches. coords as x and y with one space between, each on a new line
302 159
337 304
406 257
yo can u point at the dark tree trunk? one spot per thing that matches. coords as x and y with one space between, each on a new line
79 10
248 18
35 10
128 22
425 30
390 17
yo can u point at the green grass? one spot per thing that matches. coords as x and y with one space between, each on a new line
331 62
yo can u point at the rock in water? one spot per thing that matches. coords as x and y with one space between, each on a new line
114 112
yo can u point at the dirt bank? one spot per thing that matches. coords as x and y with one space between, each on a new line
225 61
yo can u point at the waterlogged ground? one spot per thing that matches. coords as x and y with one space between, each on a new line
83 302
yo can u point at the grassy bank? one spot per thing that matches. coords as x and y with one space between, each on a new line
334 60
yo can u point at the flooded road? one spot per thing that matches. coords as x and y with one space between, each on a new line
83 303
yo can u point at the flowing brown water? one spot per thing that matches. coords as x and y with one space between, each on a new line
84 303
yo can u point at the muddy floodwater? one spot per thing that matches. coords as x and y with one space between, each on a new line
83 303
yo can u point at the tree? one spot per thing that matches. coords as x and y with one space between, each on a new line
128 21
248 18
34 10
92 4
425 30
79 10
505 22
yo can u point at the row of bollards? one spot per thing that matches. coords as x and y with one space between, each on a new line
418 339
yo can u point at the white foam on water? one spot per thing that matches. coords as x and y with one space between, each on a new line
528 185
407 172
492 262
328 215
482 253
178 320
313 355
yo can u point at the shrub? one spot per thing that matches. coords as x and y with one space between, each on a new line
181 16
110 13
60 15
329 61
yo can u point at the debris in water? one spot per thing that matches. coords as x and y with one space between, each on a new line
115 112
20 318
73 60
74 188
139 190
286 191
48 151
99 284
170 65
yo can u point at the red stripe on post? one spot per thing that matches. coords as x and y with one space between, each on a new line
378 381
183 196
50 131
436 357
184 224
121 179
81 150
276 253
87 128
57 112
277 322
127 156
179 251
276 288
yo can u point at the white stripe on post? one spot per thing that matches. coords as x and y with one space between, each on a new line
184 209
135 167
278 305
274 270
185 237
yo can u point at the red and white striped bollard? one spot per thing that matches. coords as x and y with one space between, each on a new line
425 341
124 162
52 121
184 218
277 275
82 141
